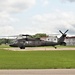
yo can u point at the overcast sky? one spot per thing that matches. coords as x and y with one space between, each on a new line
36 16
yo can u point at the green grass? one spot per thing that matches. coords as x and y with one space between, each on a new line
36 59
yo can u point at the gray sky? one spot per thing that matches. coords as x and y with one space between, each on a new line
36 16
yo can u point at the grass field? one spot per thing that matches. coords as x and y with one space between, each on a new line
36 59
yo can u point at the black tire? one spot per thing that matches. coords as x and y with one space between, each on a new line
22 47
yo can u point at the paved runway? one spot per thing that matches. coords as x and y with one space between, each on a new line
39 72
37 49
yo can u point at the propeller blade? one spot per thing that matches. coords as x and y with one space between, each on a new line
66 31
60 31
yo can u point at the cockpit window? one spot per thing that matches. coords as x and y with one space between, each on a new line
13 41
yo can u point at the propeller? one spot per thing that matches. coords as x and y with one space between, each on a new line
25 35
66 31
62 32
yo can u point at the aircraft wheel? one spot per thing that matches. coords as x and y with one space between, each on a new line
22 47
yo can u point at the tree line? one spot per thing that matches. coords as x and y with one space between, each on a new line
7 41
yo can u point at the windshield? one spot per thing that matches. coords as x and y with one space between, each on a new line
13 41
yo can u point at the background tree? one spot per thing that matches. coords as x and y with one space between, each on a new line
39 35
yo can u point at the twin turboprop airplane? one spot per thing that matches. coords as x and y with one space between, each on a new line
28 41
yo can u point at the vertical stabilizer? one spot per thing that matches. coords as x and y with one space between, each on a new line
62 38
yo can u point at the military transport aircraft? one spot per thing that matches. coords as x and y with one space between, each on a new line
23 41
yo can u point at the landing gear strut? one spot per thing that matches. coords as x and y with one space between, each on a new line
55 47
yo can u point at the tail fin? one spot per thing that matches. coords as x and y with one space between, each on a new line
62 38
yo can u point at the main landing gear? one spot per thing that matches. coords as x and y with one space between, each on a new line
55 47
